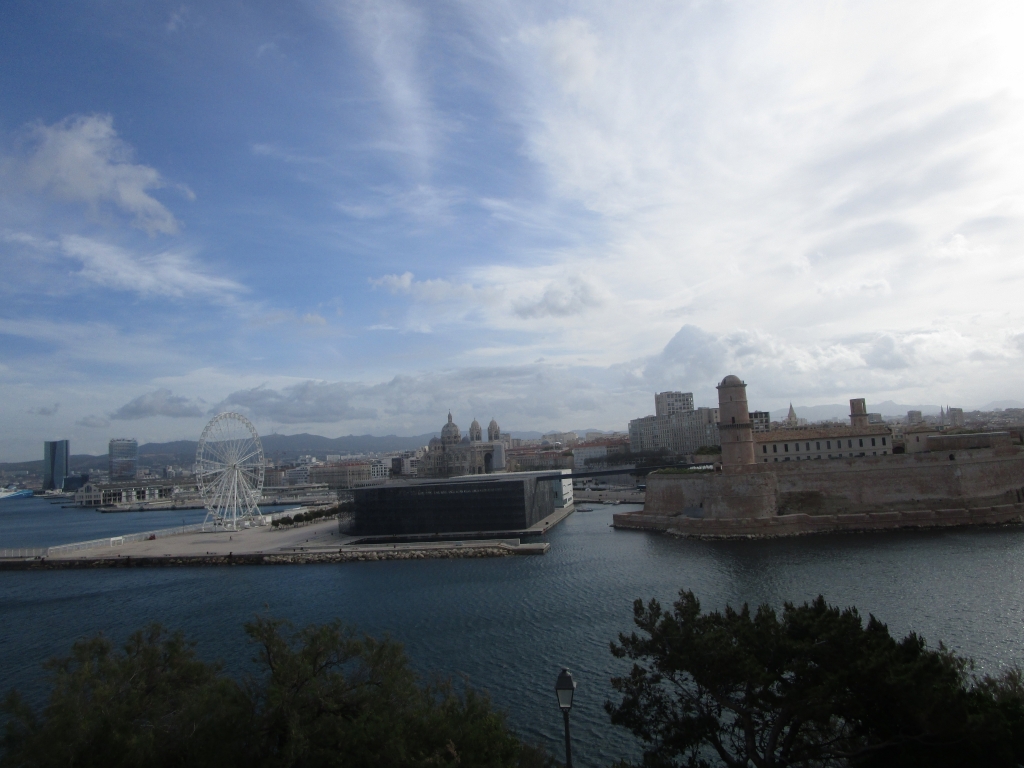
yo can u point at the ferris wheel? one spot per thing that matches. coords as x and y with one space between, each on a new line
229 471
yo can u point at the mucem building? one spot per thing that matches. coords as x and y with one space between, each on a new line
471 504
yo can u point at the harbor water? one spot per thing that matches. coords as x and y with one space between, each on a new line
508 625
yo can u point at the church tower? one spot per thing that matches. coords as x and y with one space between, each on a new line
734 425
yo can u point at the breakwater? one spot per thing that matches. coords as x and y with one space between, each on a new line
360 554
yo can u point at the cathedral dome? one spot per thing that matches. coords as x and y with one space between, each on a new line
731 381
450 434
475 432
493 431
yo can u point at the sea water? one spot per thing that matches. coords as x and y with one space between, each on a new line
508 625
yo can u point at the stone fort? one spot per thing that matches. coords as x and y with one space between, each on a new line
838 478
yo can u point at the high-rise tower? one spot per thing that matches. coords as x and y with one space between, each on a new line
56 464
734 425
123 459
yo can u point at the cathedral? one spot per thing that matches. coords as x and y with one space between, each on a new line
452 454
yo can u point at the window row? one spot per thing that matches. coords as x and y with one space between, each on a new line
828 445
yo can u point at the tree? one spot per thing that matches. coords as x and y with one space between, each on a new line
321 696
814 687
152 704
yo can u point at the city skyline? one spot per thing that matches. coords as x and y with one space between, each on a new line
349 218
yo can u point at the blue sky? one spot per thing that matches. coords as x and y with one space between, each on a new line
351 217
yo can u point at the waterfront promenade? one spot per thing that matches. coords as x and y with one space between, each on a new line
317 542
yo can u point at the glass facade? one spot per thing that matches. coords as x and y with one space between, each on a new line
123 457
56 463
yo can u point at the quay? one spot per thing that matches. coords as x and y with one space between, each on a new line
323 541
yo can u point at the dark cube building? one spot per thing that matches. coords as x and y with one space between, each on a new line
499 503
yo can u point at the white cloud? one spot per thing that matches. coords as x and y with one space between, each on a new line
559 301
82 159
168 273
395 283
312 318
311 402
812 171
93 422
45 410
390 34
160 403
178 18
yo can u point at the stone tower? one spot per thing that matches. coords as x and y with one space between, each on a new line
475 432
493 431
734 425
858 413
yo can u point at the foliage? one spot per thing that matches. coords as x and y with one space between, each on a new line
814 687
323 696
307 517
708 449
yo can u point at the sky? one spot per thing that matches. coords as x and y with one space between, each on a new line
351 217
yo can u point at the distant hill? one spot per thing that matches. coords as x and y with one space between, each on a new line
281 447
1000 405
80 462
291 446
841 411
277 447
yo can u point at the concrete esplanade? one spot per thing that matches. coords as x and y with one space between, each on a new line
958 480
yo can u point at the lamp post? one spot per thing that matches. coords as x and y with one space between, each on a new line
565 687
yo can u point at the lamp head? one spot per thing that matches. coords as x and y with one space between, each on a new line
565 687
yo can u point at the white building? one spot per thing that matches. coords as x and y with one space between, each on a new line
680 432
565 438
667 403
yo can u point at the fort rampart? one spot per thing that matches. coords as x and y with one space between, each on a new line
965 487
797 524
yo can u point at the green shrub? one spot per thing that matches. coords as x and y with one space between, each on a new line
814 686
321 696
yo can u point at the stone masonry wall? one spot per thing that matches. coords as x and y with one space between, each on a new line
890 480
839 485
712 495
795 525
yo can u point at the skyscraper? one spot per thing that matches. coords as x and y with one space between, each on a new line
56 463
123 457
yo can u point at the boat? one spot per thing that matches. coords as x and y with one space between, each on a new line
14 493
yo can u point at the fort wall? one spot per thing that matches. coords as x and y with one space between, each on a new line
799 524
901 479
712 495
865 493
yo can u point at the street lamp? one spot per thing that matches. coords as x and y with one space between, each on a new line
564 689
